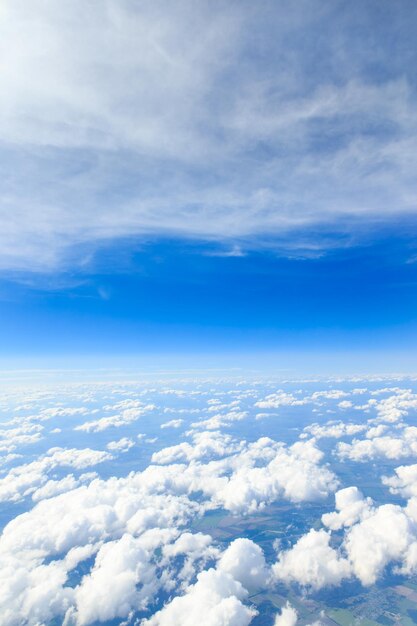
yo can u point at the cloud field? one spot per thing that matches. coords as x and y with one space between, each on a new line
113 514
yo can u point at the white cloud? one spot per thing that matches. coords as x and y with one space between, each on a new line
126 416
121 445
374 538
216 598
395 407
329 394
293 474
136 530
351 506
148 508
384 536
333 429
220 420
287 617
404 482
173 423
245 561
278 399
402 444
54 487
111 589
24 480
181 96
345 404
195 547
312 562
205 445
25 434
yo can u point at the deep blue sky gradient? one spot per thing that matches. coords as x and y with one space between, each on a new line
172 297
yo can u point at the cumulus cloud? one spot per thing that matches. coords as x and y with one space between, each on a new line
216 598
131 528
312 562
374 538
55 487
35 591
126 416
268 471
402 444
89 550
395 407
220 420
121 445
334 429
245 561
249 476
24 480
24 435
195 548
351 506
287 617
112 588
279 399
404 482
205 445
387 534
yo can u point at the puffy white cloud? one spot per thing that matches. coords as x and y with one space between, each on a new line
23 435
278 399
161 499
54 487
385 535
269 471
335 429
220 420
82 517
351 506
121 445
245 561
329 394
206 444
282 398
287 617
26 479
126 416
404 482
189 544
395 407
345 404
214 600
61 411
136 530
376 431
312 562
194 547
402 444
111 588
252 476
374 538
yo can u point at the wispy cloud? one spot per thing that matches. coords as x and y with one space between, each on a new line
230 125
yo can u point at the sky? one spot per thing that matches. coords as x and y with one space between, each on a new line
206 184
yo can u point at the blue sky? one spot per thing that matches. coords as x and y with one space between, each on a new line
216 184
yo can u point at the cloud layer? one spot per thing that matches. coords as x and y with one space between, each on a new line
202 121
